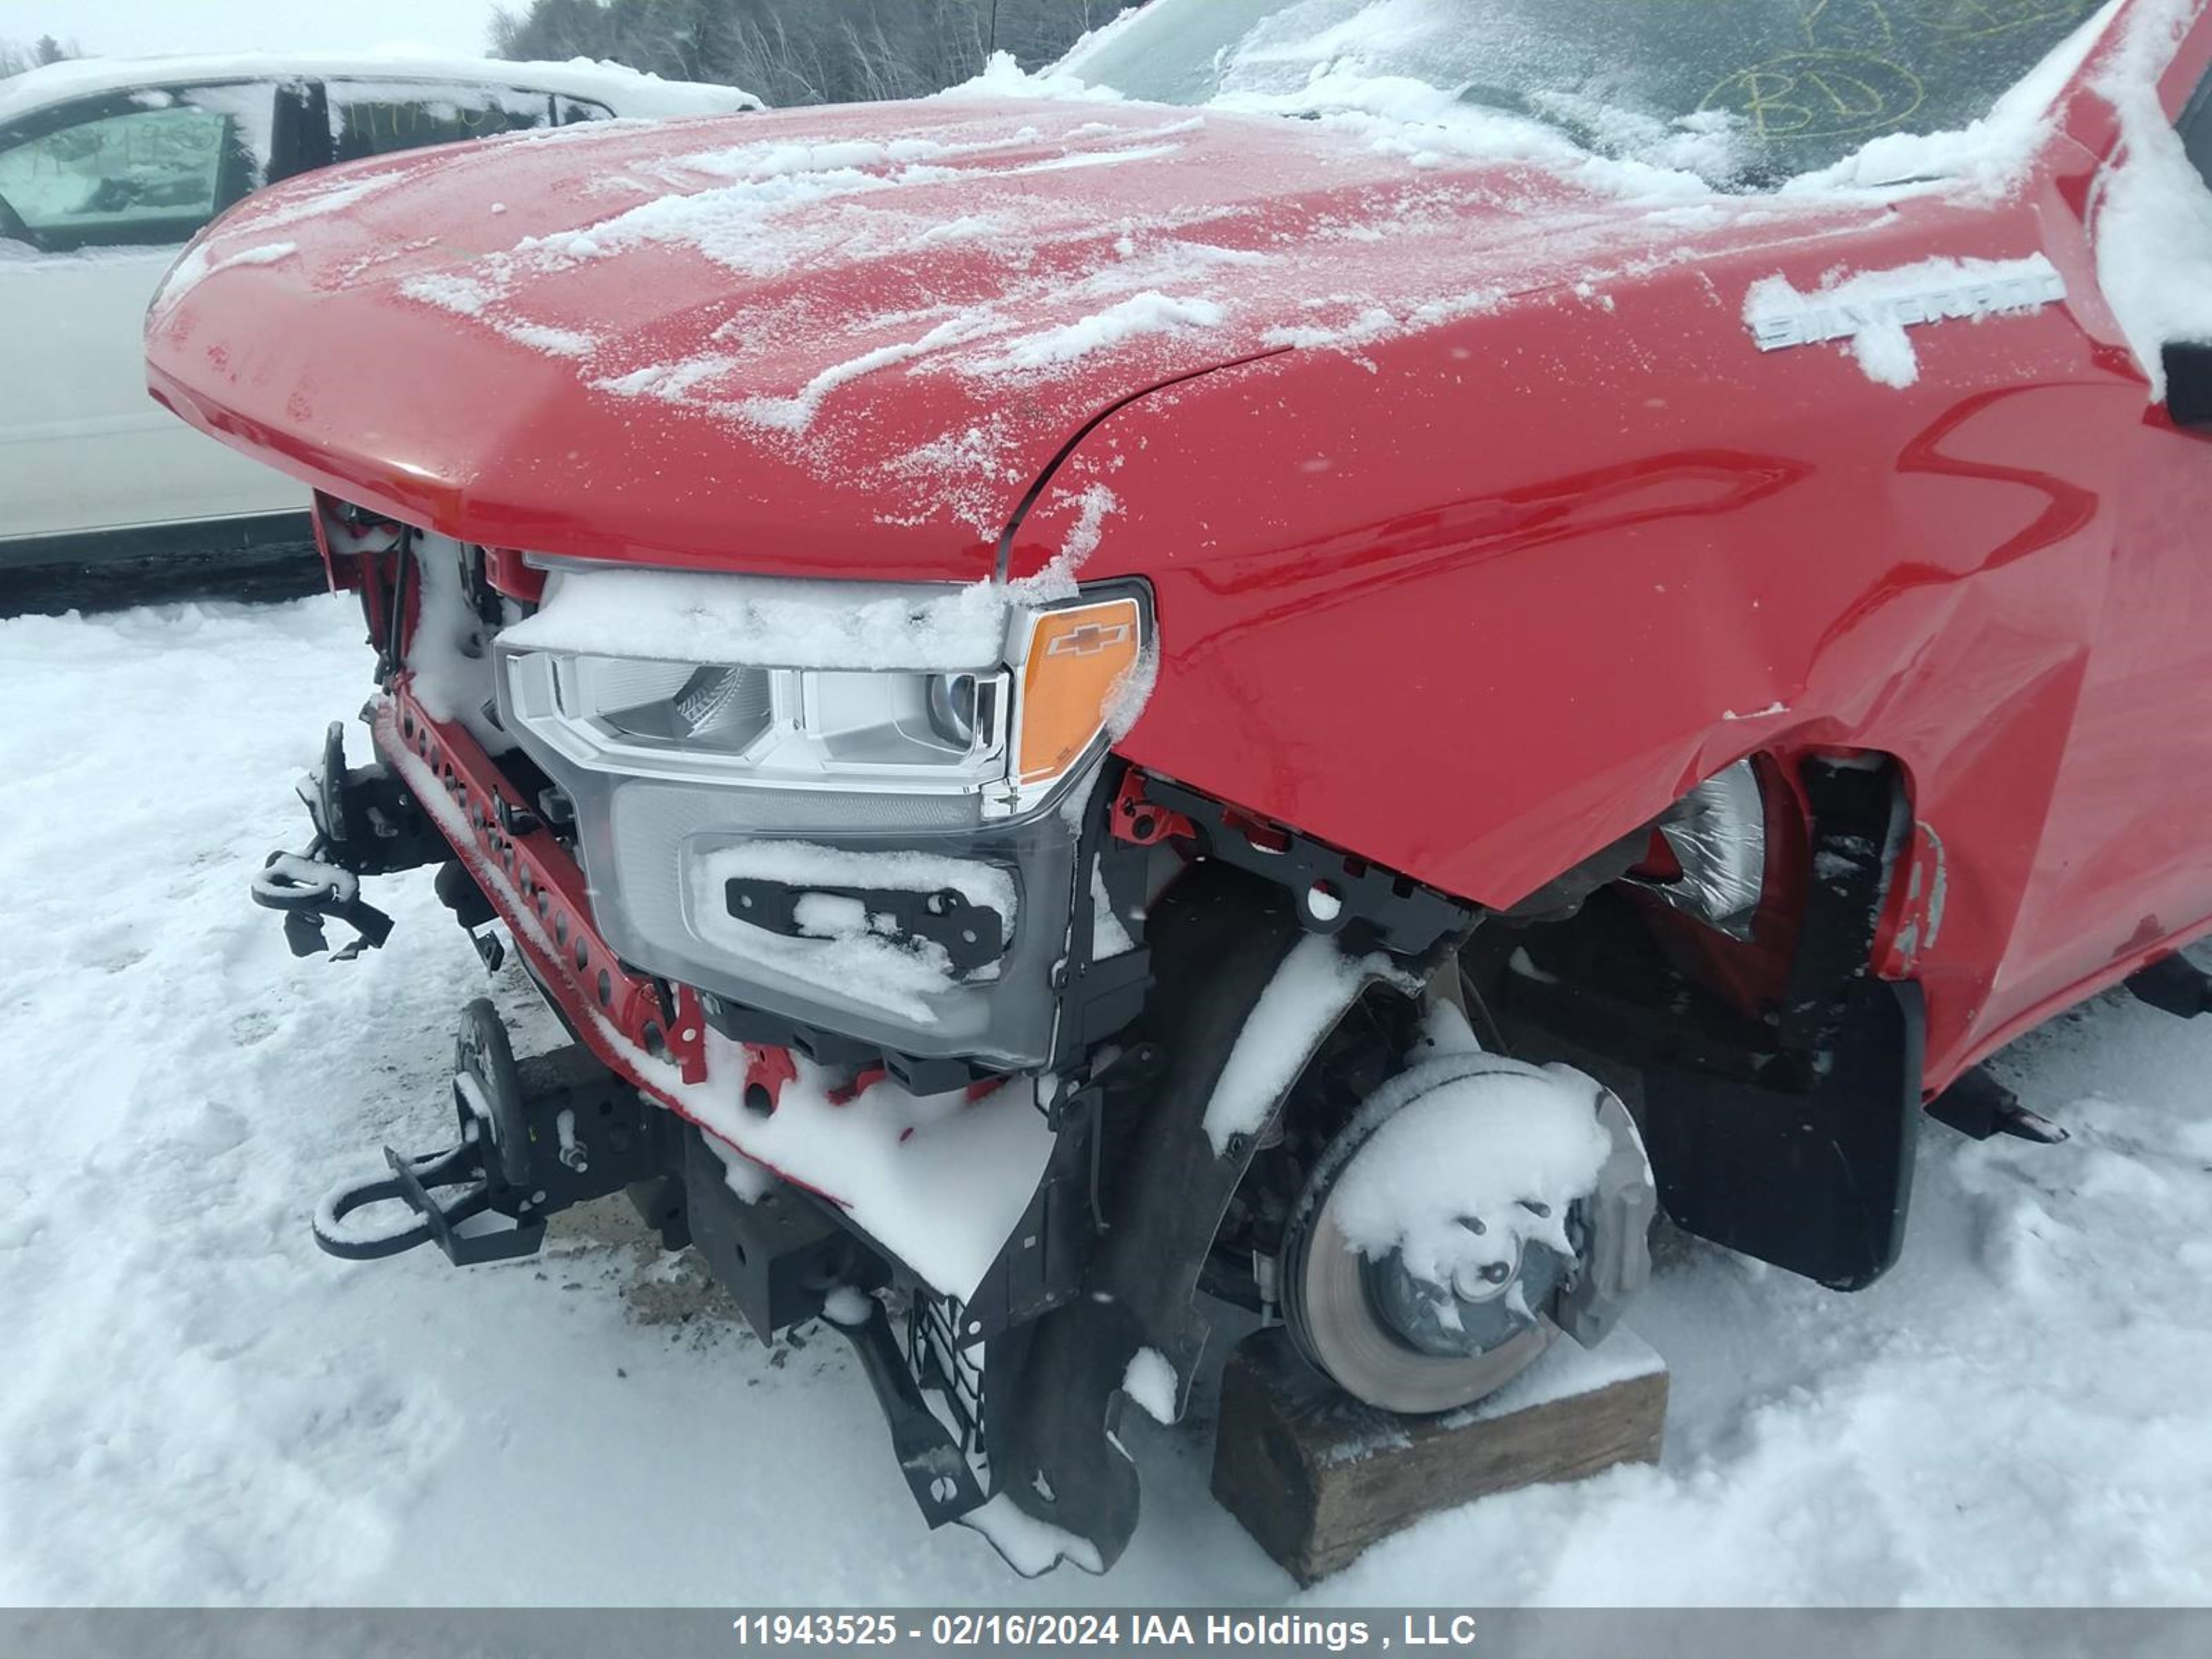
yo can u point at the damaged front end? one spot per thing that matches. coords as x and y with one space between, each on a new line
906 1003
841 945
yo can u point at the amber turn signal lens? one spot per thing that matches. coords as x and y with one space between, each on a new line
1077 660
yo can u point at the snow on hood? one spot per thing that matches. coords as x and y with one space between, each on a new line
919 303
869 330
627 92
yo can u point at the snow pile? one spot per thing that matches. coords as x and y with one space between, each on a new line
1397 73
1030 1547
317 197
1150 1382
450 652
2154 231
1110 934
1002 76
1870 310
1309 994
1472 1159
1564 1370
671 615
751 1181
845 1305
1430 128
1148 312
1055 582
1359 322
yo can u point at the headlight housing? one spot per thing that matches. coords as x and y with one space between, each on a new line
740 724
1005 734
829 804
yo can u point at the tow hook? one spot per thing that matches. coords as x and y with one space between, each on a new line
308 891
365 824
556 1130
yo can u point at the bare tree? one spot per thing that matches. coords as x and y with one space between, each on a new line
15 59
801 52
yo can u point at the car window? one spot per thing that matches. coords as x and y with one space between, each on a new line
1748 92
376 118
2196 126
145 168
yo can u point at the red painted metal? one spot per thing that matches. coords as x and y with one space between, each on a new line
505 570
861 1081
540 889
1470 602
1136 819
768 1070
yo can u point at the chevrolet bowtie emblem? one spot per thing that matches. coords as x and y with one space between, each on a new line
1089 640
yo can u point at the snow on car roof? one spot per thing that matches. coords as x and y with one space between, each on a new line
628 91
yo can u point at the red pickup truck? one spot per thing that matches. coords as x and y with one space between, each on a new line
1308 662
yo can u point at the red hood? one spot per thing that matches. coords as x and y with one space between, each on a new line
788 342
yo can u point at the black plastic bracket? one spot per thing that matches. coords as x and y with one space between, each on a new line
916 1074
2173 985
1978 1106
1042 1264
365 820
1330 889
778 1255
2188 383
937 1473
971 935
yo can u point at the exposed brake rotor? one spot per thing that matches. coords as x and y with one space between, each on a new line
1457 1324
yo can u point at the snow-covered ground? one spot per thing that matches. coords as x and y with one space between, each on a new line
195 1405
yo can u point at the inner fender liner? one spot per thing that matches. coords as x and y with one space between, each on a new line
1801 1154
1062 1459
1817 1182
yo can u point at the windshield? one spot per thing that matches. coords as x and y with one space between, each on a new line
1740 90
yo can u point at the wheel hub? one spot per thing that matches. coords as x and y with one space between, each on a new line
1465 1319
1478 1311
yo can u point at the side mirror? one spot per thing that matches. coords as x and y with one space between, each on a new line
2188 384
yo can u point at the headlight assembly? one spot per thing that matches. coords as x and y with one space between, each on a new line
829 804
1006 735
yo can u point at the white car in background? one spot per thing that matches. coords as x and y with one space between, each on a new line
107 168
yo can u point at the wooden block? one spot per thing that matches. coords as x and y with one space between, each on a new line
1315 1477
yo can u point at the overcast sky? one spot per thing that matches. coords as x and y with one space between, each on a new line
124 28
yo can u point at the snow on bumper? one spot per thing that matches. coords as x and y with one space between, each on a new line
939 1180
